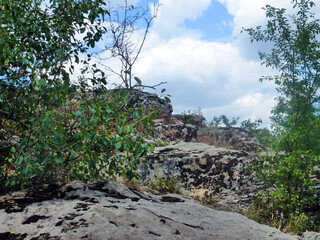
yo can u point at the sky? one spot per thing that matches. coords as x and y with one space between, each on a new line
197 47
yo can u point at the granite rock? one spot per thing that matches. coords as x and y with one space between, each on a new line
202 170
176 132
107 210
228 137
192 119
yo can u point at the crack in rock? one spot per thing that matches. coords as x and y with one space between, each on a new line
34 219
164 217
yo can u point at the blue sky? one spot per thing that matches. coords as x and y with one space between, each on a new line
197 48
215 23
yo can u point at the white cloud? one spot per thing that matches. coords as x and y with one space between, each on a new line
171 16
218 77
248 13
221 78
253 104
209 75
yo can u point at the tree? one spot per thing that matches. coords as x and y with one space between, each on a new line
125 21
51 129
216 121
251 126
295 54
264 135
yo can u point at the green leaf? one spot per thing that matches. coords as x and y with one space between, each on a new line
138 80
58 160
118 146
168 100
25 170
13 150
77 114
85 122
20 160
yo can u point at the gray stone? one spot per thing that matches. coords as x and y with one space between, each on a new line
311 236
150 102
205 170
228 137
109 210
176 132
193 119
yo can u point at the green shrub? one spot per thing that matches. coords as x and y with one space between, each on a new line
266 210
170 185
64 131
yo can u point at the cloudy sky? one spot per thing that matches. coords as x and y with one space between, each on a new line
197 48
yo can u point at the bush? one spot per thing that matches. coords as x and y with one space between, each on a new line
170 185
62 131
265 210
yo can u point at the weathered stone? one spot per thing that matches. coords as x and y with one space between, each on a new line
192 119
176 132
108 210
150 101
311 236
204 169
231 138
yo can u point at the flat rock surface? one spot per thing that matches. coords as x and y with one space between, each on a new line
109 210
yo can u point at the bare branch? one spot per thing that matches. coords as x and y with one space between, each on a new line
144 86
123 23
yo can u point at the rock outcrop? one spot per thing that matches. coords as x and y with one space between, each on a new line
176 132
150 102
205 170
192 119
107 210
228 137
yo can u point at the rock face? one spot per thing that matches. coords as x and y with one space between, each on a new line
192 119
205 170
176 132
109 210
149 102
205 161
227 137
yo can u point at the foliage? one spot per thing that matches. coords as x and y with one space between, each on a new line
264 210
250 126
289 178
208 199
62 131
264 136
170 185
187 117
295 53
223 119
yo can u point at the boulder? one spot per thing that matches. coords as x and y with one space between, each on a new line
108 210
176 132
150 101
193 119
205 170
228 137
